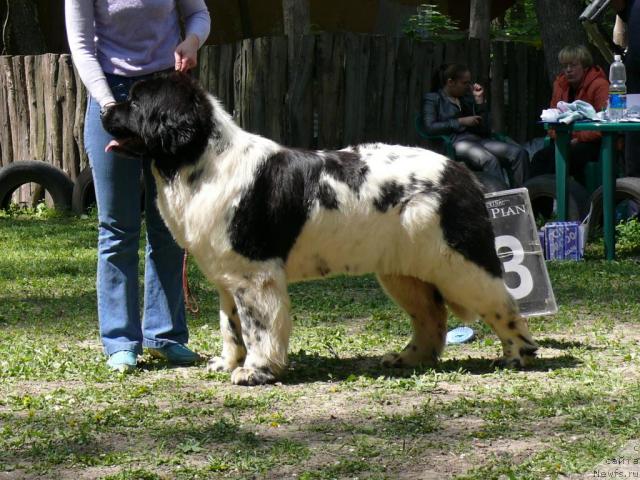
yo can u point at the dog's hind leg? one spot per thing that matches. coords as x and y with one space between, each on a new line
424 304
263 307
233 349
476 290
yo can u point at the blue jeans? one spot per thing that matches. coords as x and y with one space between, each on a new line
117 186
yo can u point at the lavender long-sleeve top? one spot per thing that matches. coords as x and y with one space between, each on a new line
128 37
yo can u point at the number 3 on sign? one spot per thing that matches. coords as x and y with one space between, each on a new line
525 286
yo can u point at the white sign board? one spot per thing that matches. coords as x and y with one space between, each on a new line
520 252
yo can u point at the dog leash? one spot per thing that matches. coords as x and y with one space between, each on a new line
190 301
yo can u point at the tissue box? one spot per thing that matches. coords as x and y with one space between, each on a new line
563 241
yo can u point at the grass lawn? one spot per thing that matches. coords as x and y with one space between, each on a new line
337 413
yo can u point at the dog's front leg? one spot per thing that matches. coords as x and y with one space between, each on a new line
233 349
263 307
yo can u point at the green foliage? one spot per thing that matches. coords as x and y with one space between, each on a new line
40 211
520 23
628 237
429 24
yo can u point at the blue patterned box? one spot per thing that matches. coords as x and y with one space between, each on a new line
563 241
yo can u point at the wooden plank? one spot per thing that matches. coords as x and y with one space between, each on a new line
299 100
523 91
226 76
9 80
41 126
374 89
32 104
497 86
243 80
356 73
331 53
78 121
6 148
512 93
275 89
401 123
67 96
388 89
21 120
49 77
417 73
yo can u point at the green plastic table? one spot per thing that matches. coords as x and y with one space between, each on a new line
609 131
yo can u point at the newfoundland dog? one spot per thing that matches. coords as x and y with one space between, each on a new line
256 215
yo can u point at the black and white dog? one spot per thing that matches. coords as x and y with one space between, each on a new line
256 215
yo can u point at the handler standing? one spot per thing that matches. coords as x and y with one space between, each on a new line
114 43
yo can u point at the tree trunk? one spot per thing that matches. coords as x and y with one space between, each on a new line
22 34
479 27
559 27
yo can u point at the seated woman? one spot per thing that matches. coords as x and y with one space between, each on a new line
580 79
458 109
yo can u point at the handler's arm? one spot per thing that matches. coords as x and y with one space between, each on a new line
196 19
79 18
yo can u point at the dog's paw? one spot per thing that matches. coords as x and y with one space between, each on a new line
515 363
393 360
408 358
252 376
220 364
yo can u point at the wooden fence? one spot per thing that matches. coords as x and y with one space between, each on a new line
343 89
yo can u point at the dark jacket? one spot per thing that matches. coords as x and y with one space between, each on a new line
440 115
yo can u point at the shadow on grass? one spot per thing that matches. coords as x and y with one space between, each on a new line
313 368
565 344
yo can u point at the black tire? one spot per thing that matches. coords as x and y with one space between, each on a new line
542 193
490 183
627 188
84 195
54 181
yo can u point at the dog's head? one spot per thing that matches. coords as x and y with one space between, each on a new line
168 118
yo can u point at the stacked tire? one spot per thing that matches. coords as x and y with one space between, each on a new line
52 179
542 194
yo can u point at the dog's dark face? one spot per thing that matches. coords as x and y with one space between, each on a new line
168 118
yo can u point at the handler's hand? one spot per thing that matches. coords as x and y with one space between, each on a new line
478 92
186 54
472 121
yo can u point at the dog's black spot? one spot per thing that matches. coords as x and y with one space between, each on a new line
528 342
512 325
327 196
272 212
276 206
235 335
346 167
437 297
391 194
464 220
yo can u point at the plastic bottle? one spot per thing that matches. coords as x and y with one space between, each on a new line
617 90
